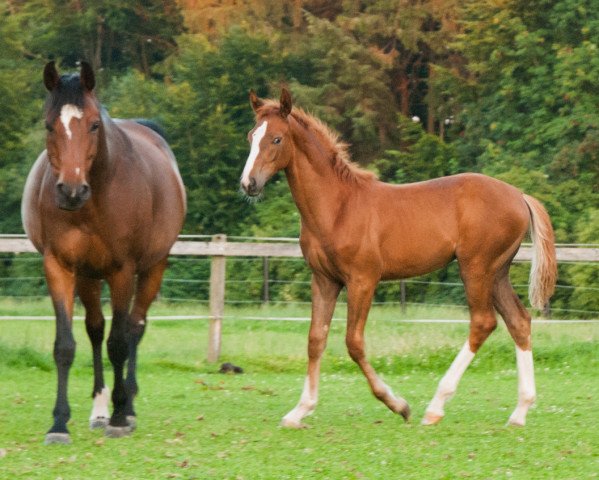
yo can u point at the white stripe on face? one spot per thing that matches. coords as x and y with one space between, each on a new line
257 137
67 113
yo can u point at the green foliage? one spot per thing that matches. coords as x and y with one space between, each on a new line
422 156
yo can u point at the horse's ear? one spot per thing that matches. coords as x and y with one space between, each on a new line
51 78
285 103
88 80
255 101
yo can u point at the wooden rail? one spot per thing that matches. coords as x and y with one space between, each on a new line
218 248
267 249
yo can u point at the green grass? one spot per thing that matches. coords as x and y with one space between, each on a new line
196 423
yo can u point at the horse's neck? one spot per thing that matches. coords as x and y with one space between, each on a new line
104 167
317 190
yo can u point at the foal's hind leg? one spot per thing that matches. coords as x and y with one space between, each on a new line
482 323
359 297
148 285
324 297
517 320
89 291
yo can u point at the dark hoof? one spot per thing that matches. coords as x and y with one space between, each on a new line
132 422
117 432
406 413
55 438
99 423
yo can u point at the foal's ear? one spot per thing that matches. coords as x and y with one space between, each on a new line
51 78
255 101
285 103
88 80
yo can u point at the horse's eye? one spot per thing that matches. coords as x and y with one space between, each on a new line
94 126
49 127
277 140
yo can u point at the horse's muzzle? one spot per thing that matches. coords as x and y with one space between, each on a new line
72 197
252 188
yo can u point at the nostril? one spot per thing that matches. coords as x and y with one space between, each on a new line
252 183
83 190
62 188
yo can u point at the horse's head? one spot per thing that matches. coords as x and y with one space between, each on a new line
270 140
74 126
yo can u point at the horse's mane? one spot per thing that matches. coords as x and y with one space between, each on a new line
345 169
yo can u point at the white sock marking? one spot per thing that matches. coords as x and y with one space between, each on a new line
449 382
257 137
100 406
305 406
67 113
526 386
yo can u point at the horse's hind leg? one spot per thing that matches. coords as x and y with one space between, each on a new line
517 320
479 290
89 291
121 292
148 285
359 297
324 297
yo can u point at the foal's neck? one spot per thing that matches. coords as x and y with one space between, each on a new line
316 188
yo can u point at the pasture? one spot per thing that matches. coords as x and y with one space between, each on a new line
197 423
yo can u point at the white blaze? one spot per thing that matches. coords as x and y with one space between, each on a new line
67 113
254 151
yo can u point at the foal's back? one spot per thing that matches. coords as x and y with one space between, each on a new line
420 227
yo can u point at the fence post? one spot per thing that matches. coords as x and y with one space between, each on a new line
266 280
217 300
402 295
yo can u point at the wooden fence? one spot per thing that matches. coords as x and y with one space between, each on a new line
219 248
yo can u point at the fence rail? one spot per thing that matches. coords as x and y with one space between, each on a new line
218 248
20 244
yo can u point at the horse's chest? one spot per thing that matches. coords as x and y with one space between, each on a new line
89 254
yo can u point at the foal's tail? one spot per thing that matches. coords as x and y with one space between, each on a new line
543 272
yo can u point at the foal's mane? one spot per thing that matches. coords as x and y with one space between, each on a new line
345 169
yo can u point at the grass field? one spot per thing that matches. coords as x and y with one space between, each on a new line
194 423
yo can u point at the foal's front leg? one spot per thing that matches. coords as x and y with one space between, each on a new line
61 285
121 292
324 297
359 297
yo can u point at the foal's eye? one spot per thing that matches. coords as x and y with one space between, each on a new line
94 126
277 140
49 127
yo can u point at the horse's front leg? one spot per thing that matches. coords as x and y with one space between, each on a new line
89 291
324 297
121 292
359 298
61 285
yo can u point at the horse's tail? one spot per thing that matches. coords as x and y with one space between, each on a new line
543 272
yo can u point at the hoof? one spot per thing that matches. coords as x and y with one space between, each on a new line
132 422
431 418
117 432
55 438
512 422
287 423
405 412
99 423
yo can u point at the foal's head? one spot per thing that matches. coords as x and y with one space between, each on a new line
270 141
74 125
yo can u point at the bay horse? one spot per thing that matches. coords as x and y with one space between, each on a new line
357 231
103 201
